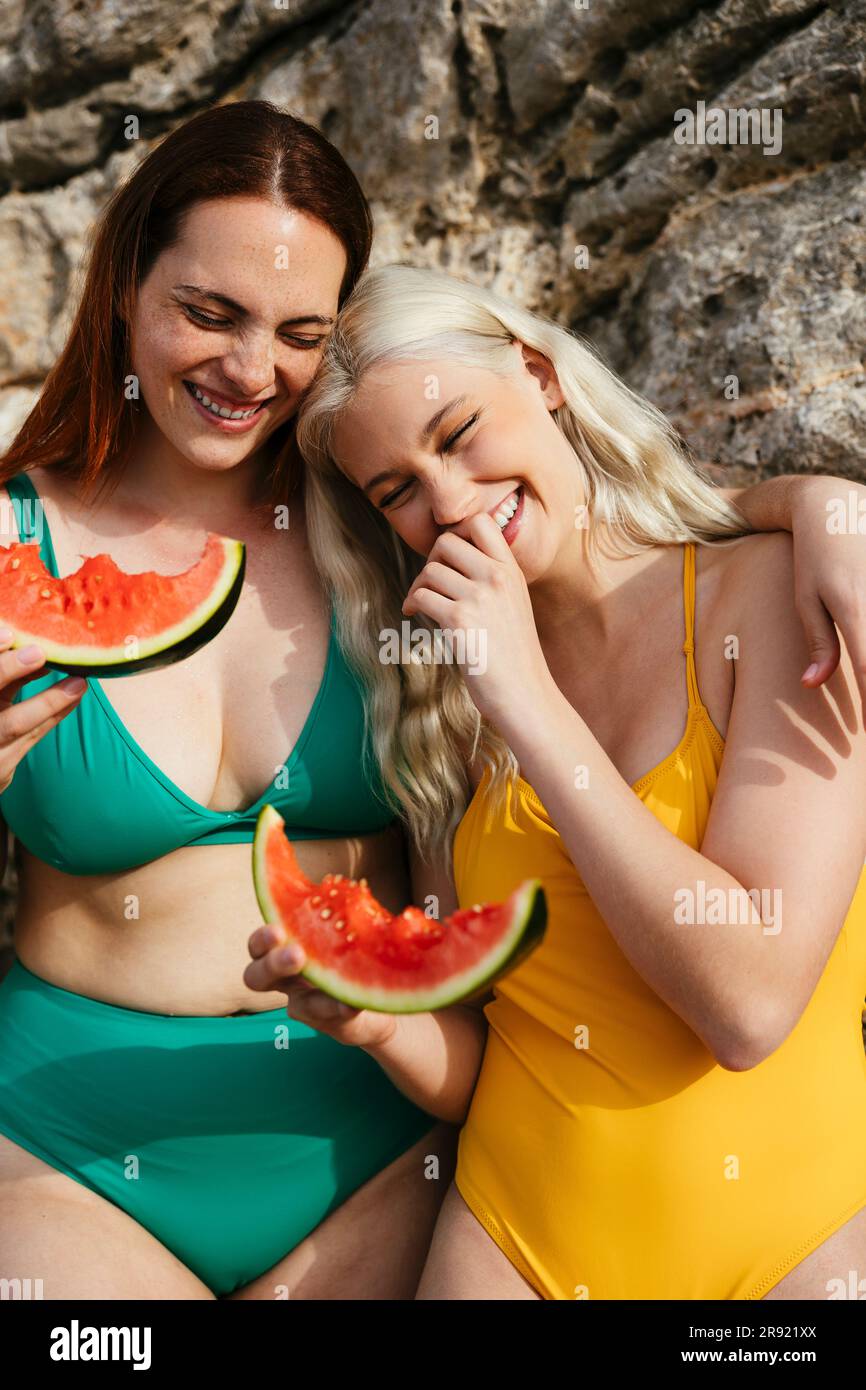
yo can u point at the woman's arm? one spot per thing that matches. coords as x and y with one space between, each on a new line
827 518
767 505
788 819
434 1058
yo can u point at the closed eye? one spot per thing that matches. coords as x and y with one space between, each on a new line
452 438
392 496
449 444
198 316
208 321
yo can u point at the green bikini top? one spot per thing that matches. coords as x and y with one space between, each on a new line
88 799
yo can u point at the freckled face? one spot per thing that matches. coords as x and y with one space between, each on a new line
230 324
487 443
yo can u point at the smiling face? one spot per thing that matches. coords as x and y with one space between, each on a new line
230 324
487 443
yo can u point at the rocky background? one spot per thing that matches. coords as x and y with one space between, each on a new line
554 131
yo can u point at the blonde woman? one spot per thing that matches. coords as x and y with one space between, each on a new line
671 1098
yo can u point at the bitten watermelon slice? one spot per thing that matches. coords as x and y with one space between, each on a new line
100 621
358 952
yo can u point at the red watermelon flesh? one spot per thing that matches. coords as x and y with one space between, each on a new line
359 952
103 621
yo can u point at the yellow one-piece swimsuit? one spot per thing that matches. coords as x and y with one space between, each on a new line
606 1151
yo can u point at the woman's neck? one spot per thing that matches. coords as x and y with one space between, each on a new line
594 602
157 478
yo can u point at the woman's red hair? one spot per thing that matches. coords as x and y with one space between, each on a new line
82 422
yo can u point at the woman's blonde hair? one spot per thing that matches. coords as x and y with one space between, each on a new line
637 476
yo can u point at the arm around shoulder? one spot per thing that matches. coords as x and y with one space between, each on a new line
788 818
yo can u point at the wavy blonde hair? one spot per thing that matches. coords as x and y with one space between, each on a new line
637 475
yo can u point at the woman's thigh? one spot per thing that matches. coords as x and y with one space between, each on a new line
843 1253
54 1229
374 1245
465 1262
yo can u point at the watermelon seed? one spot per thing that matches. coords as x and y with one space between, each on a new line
46 593
340 923
332 893
315 900
338 878
350 936
325 912
15 564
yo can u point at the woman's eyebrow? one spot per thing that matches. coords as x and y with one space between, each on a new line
324 319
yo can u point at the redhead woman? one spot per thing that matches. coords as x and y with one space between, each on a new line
165 1131
670 1101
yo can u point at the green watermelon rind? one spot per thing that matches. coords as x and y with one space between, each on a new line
164 648
527 927
268 820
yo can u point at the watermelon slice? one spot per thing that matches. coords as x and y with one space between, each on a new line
100 621
358 952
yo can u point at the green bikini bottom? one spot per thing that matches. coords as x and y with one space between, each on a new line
228 1138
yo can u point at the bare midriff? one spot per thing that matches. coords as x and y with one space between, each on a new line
170 937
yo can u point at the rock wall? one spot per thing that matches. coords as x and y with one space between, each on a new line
527 143
553 130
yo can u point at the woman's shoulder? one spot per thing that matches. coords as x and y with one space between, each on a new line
737 559
750 573
755 619
49 484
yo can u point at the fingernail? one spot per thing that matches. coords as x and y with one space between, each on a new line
5 634
810 671
74 685
287 956
29 655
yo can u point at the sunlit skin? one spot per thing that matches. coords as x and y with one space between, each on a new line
496 433
497 436
218 725
553 623
282 270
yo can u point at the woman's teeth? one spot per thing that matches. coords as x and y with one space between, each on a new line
505 511
223 410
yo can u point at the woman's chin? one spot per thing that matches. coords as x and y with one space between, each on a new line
214 455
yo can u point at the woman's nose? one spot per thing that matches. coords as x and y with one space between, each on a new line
250 366
452 498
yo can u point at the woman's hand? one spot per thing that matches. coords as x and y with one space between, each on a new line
26 723
830 573
475 586
277 965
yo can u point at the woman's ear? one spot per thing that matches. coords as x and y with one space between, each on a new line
542 369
